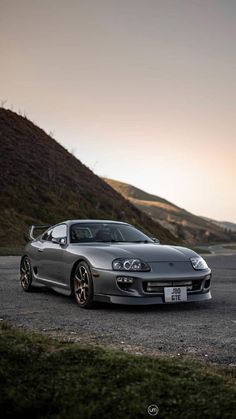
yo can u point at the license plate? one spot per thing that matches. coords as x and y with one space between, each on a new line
175 294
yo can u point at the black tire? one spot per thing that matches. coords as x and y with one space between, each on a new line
82 286
26 274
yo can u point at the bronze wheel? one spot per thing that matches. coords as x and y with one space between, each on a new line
26 274
83 285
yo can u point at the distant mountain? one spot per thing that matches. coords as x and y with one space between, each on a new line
190 228
223 224
41 182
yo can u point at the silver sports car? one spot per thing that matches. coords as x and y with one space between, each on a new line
112 261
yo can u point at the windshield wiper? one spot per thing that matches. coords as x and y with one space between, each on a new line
121 241
107 241
140 241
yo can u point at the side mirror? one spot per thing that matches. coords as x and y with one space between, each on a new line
62 241
59 240
155 240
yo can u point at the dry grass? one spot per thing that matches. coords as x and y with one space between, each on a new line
191 229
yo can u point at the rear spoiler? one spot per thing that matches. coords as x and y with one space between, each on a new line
37 227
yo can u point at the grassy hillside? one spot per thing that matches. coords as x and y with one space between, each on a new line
41 182
188 227
223 224
43 378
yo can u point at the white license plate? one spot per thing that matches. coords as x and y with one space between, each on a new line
175 294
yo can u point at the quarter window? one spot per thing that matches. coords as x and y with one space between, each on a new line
46 236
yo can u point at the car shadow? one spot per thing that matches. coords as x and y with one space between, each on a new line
154 308
123 308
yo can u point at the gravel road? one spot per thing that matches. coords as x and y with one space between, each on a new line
201 330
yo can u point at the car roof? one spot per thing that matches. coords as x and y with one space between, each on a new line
69 222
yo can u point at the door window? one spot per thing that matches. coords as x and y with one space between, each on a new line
58 232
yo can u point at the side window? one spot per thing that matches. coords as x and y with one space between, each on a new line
58 232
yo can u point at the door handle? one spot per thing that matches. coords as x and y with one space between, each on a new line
40 250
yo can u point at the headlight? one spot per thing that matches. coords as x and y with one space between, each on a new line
130 265
199 263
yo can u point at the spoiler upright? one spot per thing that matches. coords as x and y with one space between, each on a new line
37 227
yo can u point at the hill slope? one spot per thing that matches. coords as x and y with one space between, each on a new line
223 224
41 182
189 227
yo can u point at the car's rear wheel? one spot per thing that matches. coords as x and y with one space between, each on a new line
82 286
26 274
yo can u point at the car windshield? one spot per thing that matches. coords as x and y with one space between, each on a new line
106 232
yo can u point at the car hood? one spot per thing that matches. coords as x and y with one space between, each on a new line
148 252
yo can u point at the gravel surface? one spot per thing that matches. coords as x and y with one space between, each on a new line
201 330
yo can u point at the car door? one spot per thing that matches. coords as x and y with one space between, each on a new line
51 266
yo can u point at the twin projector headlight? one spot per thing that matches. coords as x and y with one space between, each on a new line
199 263
130 265
137 265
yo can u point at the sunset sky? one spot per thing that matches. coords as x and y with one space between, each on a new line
141 91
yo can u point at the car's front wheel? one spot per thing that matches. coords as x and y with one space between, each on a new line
82 286
26 274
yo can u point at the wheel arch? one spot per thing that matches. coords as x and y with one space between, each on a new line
74 266
23 257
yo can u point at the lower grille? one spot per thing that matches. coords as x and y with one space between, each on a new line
157 287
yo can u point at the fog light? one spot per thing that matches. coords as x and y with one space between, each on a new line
207 282
125 280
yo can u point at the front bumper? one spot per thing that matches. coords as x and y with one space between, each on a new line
148 287
141 301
